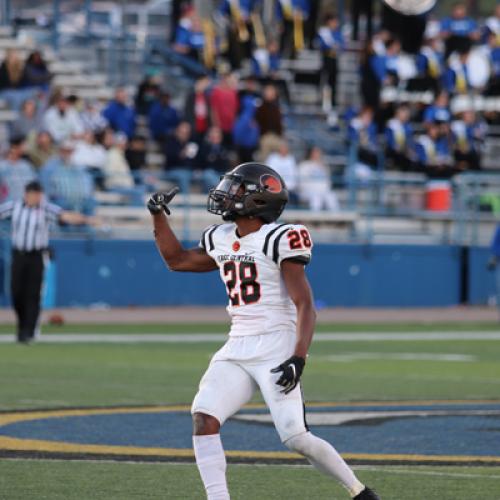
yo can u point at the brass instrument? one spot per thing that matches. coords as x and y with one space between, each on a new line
209 48
241 26
258 29
298 30
411 7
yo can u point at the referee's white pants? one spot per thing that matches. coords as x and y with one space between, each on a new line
238 368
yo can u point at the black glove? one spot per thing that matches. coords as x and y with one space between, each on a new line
159 201
292 370
492 264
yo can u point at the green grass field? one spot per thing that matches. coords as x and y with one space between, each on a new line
66 375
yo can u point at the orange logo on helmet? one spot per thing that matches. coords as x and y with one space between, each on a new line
271 183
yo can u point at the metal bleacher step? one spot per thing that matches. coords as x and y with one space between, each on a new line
89 80
6 31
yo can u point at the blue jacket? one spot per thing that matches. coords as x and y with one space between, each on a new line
429 150
452 76
495 60
399 136
121 118
459 27
436 113
364 136
189 38
382 66
258 70
430 63
162 119
303 5
468 137
328 39
246 7
246 132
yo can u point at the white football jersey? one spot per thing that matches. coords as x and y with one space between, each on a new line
250 268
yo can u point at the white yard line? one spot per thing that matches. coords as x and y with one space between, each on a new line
412 471
133 338
388 469
398 356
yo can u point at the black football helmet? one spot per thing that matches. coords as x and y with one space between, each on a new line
249 190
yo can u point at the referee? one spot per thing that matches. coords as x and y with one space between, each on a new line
31 218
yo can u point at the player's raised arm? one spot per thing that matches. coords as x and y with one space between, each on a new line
174 254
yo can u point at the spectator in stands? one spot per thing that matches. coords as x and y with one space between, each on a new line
385 66
439 111
459 30
239 29
91 155
357 8
399 139
430 65
41 149
11 71
180 151
27 122
197 108
189 36
268 114
249 86
492 24
120 115
315 182
62 121
36 71
434 154
224 105
135 154
291 15
116 168
456 77
163 117
15 172
246 132
379 69
118 176
493 52
362 136
212 154
266 61
91 116
284 163
370 85
66 184
147 93
11 79
468 133
180 166
331 43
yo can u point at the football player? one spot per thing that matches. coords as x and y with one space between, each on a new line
272 314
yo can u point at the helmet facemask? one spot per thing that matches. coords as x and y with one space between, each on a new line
257 191
227 197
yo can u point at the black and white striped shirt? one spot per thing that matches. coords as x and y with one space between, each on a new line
30 225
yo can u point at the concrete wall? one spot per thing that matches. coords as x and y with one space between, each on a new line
128 273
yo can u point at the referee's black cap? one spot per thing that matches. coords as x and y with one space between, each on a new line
33 186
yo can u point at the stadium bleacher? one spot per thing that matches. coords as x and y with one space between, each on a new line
385 196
